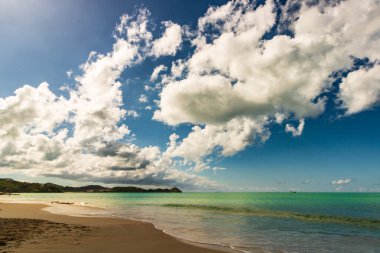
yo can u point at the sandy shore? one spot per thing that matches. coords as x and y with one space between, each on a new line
26 228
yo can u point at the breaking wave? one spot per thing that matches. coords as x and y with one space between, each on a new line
284 214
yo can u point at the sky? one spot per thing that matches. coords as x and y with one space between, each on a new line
204 95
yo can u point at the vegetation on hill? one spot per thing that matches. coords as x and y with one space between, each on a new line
8 185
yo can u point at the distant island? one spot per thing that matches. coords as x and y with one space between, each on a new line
8 185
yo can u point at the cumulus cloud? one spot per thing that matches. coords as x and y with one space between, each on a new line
295 131
242 75
232 137
240 70
32 110
157 70
360 90
170 41
135 28
132 113
82 136
69 73
143 98
177 68
341 181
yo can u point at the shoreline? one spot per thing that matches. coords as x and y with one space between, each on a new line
117 234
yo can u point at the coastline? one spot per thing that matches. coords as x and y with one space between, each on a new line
65 233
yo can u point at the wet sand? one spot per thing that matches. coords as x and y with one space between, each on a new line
28 229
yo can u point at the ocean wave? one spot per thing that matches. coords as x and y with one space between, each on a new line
368 222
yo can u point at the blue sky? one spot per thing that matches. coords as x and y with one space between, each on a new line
337 149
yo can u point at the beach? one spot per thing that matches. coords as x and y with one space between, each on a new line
167 222
26 228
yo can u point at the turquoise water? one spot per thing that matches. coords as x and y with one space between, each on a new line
251 222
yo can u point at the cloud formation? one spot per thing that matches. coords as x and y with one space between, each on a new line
264 64
170 41
143 98
342 181
250 66
82 136
360 90
157 70
295 131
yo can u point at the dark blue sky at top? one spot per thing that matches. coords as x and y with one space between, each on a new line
41 40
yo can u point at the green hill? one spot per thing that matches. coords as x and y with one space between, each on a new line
8 185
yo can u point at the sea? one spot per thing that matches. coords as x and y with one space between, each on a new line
247 222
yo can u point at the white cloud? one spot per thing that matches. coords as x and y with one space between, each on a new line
69 73
83 136
29 122
157 70
97 102
32 110
177 68
204 99
135 28
360 90
230 138
341 181
295 131
143 98
170 41
147 87
235 74
232 88
132 113
215 169
215 14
